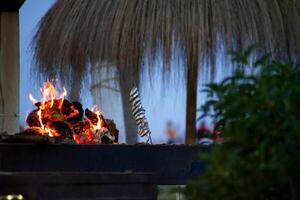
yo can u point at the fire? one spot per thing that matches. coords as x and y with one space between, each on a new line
49 95
32 99
40 119
57 117
62 96
99 124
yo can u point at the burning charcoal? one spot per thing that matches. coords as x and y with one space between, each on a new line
78 116
59 120
66 104
66 107
33 131
106 140
91 116
31 135
103 121
32 119
50 112
58 103
50 103
111 126
77 138
103 136
80 127
38 104
94 118
78 106
52 115
86 137
61 129
72 111
82 133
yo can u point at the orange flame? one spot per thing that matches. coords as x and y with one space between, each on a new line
62 97
97 111
49 94
40 118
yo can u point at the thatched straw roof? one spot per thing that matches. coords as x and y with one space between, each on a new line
123 33
77 34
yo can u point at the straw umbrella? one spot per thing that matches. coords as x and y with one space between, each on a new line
74 35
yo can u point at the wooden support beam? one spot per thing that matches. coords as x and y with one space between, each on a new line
9 71
191 101
10 5
130 125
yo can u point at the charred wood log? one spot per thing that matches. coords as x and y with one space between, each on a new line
31 135
32 119
106 140
81 127
52 115
111 126
72 111
78 117
94 118
60 129
65 123
91 116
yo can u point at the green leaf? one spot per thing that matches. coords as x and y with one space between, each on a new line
258 113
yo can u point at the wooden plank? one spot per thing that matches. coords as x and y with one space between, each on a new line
172 164
9 71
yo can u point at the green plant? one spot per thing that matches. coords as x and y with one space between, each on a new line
258 111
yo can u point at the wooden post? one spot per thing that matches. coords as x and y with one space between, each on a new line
130 125
9 65
191 101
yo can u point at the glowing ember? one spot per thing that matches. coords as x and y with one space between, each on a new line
57 117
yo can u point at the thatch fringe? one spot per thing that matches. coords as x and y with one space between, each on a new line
123 33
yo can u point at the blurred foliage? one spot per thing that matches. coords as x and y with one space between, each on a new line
258 111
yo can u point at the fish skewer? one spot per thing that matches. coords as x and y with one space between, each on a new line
139 115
